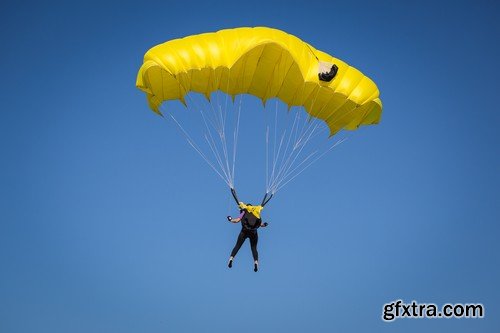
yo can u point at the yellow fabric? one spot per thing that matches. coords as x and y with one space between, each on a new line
263 62
255 210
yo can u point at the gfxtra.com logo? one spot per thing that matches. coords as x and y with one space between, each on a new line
398 309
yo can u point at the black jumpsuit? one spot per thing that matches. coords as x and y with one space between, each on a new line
249 225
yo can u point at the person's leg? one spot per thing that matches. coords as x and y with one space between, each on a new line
239 242
254 238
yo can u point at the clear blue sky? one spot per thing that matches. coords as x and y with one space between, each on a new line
110 223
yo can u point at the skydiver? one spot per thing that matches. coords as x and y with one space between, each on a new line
250 222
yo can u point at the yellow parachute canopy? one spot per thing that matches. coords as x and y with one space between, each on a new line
263 62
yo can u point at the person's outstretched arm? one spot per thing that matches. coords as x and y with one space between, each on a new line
236 219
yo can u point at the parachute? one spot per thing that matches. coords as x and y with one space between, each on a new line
268 64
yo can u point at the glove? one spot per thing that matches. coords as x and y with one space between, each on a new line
266 224
229 218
